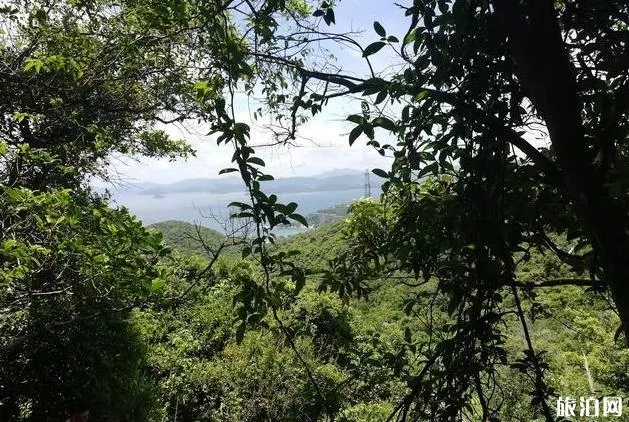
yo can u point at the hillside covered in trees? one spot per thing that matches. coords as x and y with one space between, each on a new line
358 352
489 281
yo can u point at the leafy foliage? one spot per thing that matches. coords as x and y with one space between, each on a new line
72 266
187 239
451 265
372 345
477 76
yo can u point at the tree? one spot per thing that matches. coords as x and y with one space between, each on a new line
72 270
80 83
479 79
84 80
484 75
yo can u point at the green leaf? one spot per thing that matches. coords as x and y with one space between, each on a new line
382 95
290 208
356 118
380 173
299 218
385 123
410 37
202 88
373 48
35 64
329 17
421 95
228 170
256 160
240 205
157 284
243 215
299 278
379 29
354 134
430 168
241 131
41 16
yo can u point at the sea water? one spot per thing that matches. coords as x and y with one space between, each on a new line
202 207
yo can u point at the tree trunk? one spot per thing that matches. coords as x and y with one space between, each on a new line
547 74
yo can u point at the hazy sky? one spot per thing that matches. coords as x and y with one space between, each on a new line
324 140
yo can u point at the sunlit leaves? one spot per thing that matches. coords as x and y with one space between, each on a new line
33 64
84 266
204 91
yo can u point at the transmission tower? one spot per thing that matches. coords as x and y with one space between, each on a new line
367 185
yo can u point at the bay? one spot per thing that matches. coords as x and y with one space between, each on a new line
198 207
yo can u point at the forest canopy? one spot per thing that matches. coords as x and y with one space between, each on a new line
492 267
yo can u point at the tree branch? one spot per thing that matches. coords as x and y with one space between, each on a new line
355 85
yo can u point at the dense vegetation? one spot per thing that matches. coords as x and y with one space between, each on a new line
358 351
191 239
327 215
483 283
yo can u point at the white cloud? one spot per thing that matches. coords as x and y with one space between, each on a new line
322 146
324 140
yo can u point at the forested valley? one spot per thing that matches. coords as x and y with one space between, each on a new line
488 280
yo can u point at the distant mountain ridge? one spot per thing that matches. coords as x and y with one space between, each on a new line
344 179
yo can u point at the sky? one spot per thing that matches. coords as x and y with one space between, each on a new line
322 142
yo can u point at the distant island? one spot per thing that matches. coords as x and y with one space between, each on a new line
322 198
326 216
325 182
